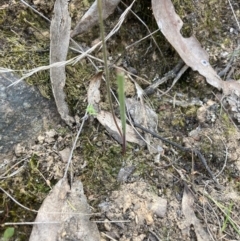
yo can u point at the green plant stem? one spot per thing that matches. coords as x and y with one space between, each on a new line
222 209
228 212
121 97
99 3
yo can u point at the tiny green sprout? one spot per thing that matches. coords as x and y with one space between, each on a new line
121 96
91 110
8 233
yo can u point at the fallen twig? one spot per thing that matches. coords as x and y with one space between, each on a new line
182 148
18 203
170 75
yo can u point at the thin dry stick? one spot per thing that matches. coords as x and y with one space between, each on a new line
150 34
13 173
197 152
154 234
35 10
179 74
75 213
222 107
112 221
206 215
74 42
136 130
6 175
47 182
74 144
140 94
225 161
157 81
30 223
234 13
99 2
140 40
18 203
106 235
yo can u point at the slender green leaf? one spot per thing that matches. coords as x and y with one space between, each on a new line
8 233
227 217
121 97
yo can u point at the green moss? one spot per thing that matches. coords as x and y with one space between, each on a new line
28 188
27 47
178 122
191 111
229 128
203 19
102 167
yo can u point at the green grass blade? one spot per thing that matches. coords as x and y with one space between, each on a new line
121 97
227 217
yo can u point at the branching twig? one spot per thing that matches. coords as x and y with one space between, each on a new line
18 203
197 152
171 74
177 77
74 144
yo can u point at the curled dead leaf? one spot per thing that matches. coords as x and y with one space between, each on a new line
60 36
191 219
106 119
90 18
64 215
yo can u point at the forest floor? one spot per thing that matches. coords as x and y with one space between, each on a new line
166 197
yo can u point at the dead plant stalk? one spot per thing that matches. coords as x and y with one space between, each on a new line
100 8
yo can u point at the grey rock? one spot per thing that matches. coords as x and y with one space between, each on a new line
23 112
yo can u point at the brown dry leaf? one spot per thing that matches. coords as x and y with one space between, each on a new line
69 210
191 219
50 211
143 115
189 49
90 18
106 119
60 35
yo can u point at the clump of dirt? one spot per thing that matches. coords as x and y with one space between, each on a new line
136 205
